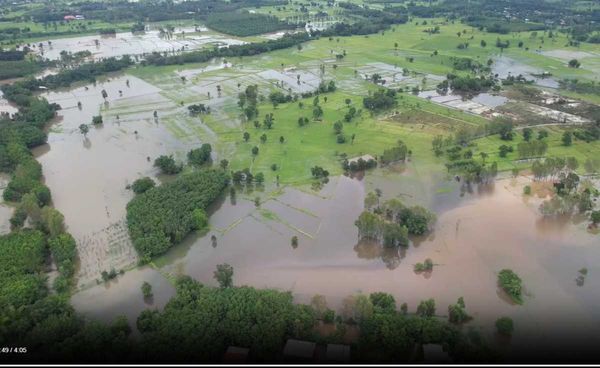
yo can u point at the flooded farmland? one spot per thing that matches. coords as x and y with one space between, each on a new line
480 230
127 43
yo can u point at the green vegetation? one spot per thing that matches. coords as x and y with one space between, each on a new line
161 217
258 319
426 266
392 221
147 290
504 326
142 185
224 275
510 282
244 23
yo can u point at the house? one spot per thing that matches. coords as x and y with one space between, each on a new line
69 17
236 355
299 351
337 353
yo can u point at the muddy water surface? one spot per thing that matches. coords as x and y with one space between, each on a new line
6 211
88 174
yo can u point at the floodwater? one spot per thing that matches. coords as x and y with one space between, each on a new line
94 301
6 211
6 108
127 43
505 66
88 174
492 227
478 104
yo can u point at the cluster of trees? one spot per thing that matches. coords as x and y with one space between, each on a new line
584 87
358 165
188 329
167 165
248 101
85 72
572 193
161 217
382 99
244 23
143 184
250 49
200 156
196 109
389 335
397 153
466 84
391 222
535 148
246 177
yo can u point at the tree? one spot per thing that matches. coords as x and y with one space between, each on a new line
147 290
167 165
574 63
281 139
246 136
338 126
97 120
84 129
200 219
504 326
527 133
383 302
200 156
255 150
567 139
224 275
294 242
259 178
224 163
595 217
143 184
426 308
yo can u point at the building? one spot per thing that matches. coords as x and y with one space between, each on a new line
299 351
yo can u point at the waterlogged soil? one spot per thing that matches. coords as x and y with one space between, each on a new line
505 66
127 43
88 174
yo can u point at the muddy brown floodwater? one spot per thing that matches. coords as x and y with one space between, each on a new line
480 230
6 211
88 174
489 229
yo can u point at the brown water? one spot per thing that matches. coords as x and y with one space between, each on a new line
88 174
480 230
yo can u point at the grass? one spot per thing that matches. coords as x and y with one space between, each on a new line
580 150
315 144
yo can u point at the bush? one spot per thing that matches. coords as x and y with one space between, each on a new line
511 283
504 326
167 165
143 184
147 290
